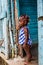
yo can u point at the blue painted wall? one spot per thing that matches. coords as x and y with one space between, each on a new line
29 7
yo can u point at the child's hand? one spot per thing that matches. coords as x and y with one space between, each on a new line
17 27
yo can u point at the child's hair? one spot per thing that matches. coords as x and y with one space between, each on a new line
22 17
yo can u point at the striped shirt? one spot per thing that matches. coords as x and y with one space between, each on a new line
22 37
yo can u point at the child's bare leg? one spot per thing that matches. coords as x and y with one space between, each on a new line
20 50
27 50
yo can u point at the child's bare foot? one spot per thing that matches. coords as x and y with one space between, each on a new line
21 55
28 58
26 62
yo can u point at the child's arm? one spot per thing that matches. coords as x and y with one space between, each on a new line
17 27
26 35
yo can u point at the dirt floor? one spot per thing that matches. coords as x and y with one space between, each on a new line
19 61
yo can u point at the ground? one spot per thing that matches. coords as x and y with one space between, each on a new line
19 61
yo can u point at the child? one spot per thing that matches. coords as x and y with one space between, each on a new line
24 36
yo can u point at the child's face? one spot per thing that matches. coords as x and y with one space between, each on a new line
21 23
